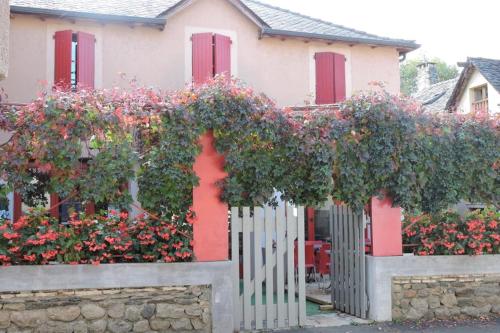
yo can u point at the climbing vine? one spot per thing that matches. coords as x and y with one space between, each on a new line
87 144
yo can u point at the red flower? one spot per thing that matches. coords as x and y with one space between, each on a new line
50 254
14 249
8 235
29 258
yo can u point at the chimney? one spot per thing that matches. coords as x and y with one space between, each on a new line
426 75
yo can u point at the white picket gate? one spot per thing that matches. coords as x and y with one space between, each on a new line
272 291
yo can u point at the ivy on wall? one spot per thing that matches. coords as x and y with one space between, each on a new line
91 142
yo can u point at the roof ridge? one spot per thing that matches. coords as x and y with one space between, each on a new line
324 21
445 81
482 58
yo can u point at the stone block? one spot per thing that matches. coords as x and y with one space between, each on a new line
164 310
64 313
4 319
119 326
133 312
92 311
29 318
449 300
420 304
98 326
141 326
181 324
434 302
159 324
116 310
18 306
409 293
148 311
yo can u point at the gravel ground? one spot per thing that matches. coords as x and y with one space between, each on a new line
469 326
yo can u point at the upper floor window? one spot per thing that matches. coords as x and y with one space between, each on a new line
211 56
74 59
330 77
479 99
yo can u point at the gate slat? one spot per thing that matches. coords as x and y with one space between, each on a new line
357 271
269 224
235 257
247 296
346 260
258 216
362 286
291 223
352 258
301 266
336 273
341 259
280 267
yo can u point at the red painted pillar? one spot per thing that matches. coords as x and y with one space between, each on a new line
386 223
311 232
210 229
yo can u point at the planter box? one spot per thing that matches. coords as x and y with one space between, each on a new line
163 286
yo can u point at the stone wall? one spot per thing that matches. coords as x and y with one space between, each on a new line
152 309
446 296
4 37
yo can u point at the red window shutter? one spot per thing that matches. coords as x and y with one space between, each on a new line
85 59
62 66
54 205
324 78
222 54
203 54
339 77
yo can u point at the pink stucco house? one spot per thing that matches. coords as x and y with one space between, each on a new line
281 53
169 43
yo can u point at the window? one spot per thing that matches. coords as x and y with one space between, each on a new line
74 59
480 93
479 99
330 78
211 56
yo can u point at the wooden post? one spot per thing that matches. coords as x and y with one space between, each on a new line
210 228
18 203
311 232
387 239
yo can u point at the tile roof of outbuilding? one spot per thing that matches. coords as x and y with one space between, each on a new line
277 21
435 97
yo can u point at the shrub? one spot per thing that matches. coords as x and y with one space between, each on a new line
37 239
447 233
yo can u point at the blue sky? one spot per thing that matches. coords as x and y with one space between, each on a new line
451 30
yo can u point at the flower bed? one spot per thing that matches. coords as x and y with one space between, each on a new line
447 233
37 239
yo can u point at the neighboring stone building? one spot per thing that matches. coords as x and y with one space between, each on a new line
433 95
4 38
478 88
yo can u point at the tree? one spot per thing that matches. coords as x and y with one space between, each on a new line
408 73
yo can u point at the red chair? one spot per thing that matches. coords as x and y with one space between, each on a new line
310 260
324 261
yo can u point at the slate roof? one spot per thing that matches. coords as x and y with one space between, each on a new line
489 68
132 8
276 21
435 97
